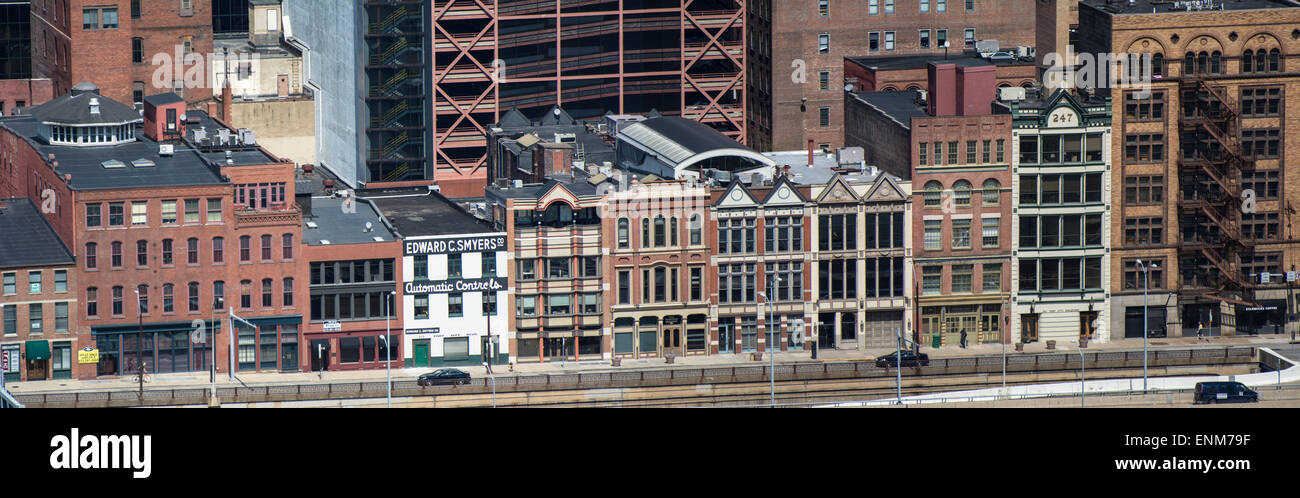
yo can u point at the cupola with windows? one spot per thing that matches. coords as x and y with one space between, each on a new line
85 118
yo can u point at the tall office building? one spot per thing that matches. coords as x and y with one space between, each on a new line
434 74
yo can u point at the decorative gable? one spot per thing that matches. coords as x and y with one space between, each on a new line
784 194
837 192
737 196
557 193
884 190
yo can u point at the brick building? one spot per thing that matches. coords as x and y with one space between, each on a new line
808 42
955 153
1195 157
115 45
157 209
39 326
34 62
908 72
658 262
354 256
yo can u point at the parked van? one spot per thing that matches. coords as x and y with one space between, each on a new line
1224 392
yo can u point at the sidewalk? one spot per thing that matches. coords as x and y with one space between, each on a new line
201 379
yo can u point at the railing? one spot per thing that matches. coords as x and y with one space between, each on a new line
129 396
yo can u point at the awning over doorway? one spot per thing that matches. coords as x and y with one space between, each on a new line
38 350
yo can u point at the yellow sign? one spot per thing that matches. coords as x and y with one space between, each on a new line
88 355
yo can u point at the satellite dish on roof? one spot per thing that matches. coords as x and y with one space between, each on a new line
555 111
848 88
368 226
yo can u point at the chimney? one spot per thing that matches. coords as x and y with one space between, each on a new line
976 90
212 108
226 104
941 80
810 153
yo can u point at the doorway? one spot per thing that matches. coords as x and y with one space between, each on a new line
487 350
826 330
672 341
1087 324
320 353
558 348
420 348
1029 328
289 357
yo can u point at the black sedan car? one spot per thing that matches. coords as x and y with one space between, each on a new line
910 359
444 377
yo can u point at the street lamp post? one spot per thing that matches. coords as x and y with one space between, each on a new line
211 341
1002 339
494 383
1083 373
388 344
771 357
898 362
1146 326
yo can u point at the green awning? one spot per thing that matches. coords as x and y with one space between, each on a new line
38 350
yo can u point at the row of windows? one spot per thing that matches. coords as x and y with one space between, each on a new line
35 319
558 304
558 268
193 297
963 278
986 152
1060 274
880 231
35 280
961 193
873 6
961 237
1052 231
663 232
349 272
455 265
167 251
357 305
923 40
140 213
1062 148
557 215
1069 188
660 280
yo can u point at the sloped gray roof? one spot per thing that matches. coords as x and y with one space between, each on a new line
513 118
29 240
74 108
553 117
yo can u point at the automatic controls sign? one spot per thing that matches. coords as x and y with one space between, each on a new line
461 285
455 245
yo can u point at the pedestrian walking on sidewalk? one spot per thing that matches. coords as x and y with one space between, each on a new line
1199 326
963 338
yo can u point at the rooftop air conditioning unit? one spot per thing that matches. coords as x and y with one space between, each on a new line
165 149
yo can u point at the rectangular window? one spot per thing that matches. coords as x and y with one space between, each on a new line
970 152
10 283
969 35
11 318
824 116
35 317
34 282
962 278
1260 102
1144 190
823 8
990 232
191 211
214 210
116 215
873 6
139 213
527 269
992 280
923 158
169 212
624 287
933 235
873 41
824 80
557 268
60 280
925 34
925 5
456 304
889 6
93 215
1144 231
952 152
1146 148
931 279
422 307
526 305
1264 183
823 43
961 234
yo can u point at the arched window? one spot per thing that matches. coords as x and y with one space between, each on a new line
1189 62
991 190
913 88
659 231
697 229
1158 64
1202 62
1215 66
1260 58
932 192
1274 60
623 236
962 190
168 298
672 231
889 89
1247 61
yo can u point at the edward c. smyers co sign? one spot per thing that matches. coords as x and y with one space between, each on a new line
453 245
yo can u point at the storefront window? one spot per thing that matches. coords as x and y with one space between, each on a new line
247 348
349 349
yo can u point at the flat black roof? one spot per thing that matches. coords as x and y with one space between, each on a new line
244 155
920 61
85 163
29 240
340 227
1168 6
164 99
417 212
900 105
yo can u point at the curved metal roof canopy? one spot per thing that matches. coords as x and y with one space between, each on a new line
683 143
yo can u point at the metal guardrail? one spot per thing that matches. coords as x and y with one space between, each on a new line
638 378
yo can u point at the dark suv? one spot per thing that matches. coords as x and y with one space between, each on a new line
1224 392
910 359
443 377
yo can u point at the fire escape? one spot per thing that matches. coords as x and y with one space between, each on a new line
1212 243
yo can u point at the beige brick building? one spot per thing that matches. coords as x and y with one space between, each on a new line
1216 128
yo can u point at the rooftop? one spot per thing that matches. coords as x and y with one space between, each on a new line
899 105
332 224
920 61
677 138
205 126
824 167
29 240
579 186
84 105
417 212
1174 6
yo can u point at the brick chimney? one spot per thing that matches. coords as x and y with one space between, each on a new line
942 83
976 89
227 104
